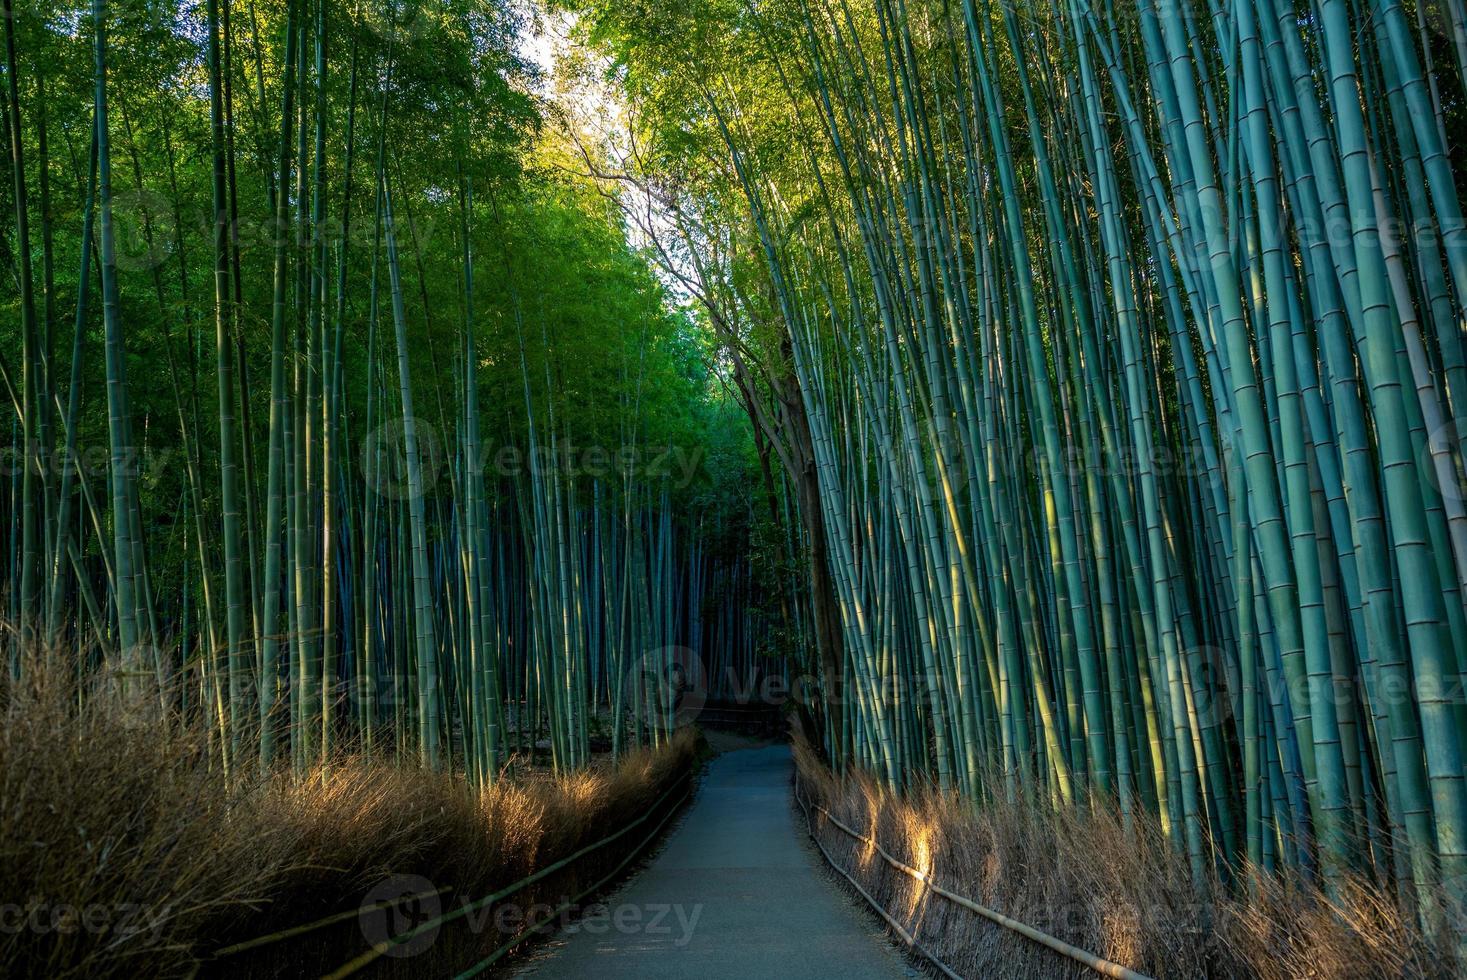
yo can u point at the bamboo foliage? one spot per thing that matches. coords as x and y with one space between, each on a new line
1136 419
381 538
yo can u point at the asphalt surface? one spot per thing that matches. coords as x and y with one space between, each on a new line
736 894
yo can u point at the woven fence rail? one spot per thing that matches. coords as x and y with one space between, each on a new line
680 790
1098 964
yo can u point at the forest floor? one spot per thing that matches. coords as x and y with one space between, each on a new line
736 893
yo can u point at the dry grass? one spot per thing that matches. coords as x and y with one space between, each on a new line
124 852
1082 877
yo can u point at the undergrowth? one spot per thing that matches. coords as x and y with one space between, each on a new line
1121 893
125 851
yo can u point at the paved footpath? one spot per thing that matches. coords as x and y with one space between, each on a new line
737 893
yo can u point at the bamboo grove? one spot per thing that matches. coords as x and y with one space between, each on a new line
1117 350
356 425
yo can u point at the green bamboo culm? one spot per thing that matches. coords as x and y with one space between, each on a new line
468 537
1135 421
1101 368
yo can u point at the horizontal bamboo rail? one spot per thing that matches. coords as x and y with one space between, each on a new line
906 937
290 933
379 949
284 934
1098 964
489 960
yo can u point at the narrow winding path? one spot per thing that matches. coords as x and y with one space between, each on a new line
736 894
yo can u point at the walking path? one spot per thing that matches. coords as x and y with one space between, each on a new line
735 895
